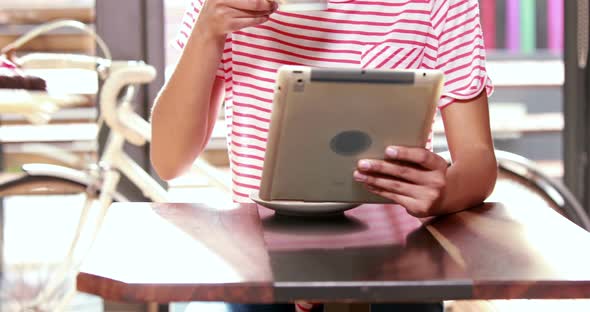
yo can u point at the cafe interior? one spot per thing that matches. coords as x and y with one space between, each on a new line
86 224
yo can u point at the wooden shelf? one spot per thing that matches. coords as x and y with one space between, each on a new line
526 73
48 133
529 124
41 15
71 43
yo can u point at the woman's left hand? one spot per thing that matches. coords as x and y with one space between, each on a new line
412 177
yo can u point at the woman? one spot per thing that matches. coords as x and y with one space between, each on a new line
232 49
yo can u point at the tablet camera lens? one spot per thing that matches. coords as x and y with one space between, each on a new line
299 85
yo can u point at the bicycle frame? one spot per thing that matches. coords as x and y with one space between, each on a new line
118 114
116 111
126 126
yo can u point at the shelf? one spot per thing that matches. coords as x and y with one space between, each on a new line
526 73
48 133
527 124
42 15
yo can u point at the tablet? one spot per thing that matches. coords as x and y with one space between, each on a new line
326 119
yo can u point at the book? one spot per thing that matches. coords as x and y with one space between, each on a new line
555 19
527 26
513 25
541 25
500 24
488 21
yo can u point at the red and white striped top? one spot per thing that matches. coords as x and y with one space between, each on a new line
400 34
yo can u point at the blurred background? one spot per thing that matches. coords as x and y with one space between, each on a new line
538 110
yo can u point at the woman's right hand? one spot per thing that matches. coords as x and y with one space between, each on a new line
220 17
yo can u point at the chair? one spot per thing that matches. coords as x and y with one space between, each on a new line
520 181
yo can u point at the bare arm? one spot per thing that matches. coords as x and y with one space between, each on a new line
186 108
472 176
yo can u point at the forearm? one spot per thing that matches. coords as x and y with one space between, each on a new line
186 108
470 180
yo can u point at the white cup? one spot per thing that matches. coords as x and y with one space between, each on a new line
302 5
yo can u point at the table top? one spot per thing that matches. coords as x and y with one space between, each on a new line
245 253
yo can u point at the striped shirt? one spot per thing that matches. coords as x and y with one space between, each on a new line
396 34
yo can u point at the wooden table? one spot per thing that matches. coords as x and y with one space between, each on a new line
189 252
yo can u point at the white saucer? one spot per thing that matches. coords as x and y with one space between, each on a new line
302 208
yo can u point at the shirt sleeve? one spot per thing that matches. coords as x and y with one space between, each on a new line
186 27
460 50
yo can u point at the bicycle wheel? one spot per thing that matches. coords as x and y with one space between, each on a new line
39 220
24 184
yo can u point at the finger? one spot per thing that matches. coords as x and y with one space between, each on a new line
398 170
412 205
251 5
398 187
417 155
243 22
246 13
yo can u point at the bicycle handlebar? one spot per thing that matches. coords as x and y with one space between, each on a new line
13 47
133 73
117 76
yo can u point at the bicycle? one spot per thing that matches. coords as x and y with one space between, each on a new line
99 182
